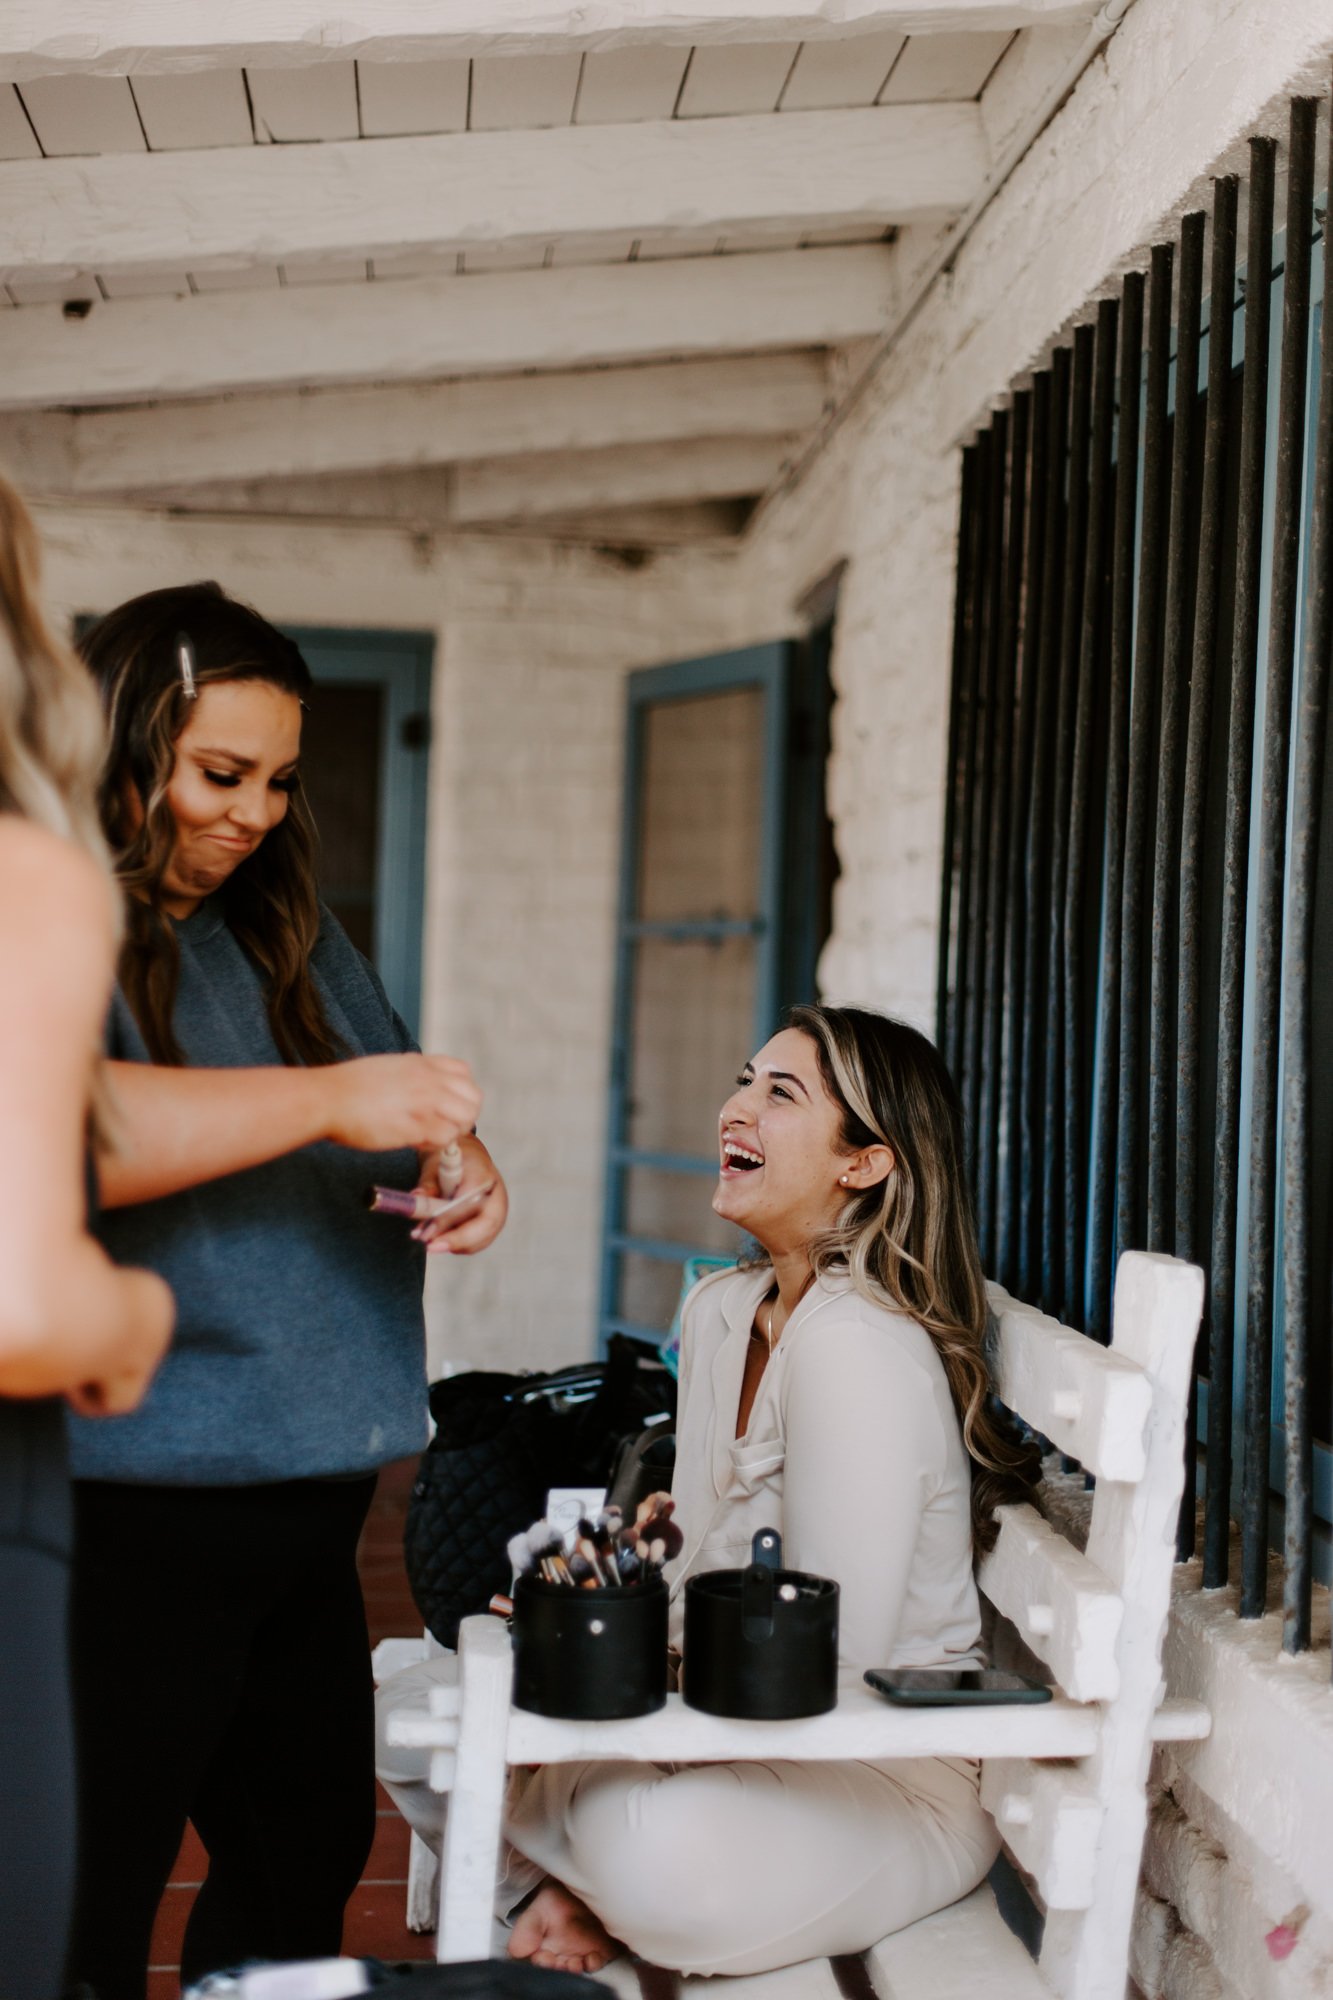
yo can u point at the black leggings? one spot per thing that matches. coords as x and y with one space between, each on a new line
36 1773
221 1675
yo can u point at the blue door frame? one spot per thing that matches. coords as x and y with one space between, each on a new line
400 663
767 668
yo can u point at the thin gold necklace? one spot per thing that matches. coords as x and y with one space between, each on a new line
766 1333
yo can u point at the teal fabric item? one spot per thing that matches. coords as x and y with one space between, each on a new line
300 1340
695 1268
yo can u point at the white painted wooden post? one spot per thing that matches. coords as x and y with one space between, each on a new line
476 1805
1158 1305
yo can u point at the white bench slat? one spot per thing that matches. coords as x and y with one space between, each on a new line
960 1953
812 1979
1090 1401
1066 1610
863 1725
1051 1819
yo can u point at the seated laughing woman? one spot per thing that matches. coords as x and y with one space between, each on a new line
834 1388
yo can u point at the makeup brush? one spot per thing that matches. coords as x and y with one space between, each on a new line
602 1539
587 1545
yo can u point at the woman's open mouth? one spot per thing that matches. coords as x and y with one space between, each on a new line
738 1160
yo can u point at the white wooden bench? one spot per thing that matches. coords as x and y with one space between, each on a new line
1065 1781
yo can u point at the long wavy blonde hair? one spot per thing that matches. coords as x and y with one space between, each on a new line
52 737
910 1241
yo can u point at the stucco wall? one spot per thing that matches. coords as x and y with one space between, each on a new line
532 646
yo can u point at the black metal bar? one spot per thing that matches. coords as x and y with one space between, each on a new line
1037 861
1054 1289
1130 1206
1171 747
1102 1244
1236 842
1020 918
1307 794
1275 762
1091 642
967 759
1194 800
958 682
984 785
992 1047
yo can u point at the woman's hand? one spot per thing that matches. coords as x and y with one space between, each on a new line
480 1229
379 1103
122 1383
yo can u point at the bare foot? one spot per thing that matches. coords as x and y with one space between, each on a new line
560 1932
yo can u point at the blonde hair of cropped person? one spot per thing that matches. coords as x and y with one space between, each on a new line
52 736
909 1240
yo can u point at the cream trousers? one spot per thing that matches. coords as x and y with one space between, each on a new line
729 1868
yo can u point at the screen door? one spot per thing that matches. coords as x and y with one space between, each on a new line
697 960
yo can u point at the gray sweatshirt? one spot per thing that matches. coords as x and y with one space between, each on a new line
299 1349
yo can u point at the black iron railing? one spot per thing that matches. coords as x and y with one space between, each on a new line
1133 902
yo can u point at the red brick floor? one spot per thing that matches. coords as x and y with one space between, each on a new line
376 1926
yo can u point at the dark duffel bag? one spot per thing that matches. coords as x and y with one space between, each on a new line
501 1442
333 1979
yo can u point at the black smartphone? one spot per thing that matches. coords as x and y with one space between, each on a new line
953 1687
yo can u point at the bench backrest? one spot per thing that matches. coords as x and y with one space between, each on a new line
1095 1616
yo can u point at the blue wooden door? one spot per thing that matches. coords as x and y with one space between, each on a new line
364 768
697 962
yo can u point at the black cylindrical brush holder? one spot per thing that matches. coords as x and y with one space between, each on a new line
761 1642
590 1655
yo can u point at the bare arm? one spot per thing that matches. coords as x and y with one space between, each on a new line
70 1322
178 1127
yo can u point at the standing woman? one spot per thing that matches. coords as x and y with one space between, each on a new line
222 1666
73 1329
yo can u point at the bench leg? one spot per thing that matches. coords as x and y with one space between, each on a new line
473 1827
423 1879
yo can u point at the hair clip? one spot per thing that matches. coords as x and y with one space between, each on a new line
185 659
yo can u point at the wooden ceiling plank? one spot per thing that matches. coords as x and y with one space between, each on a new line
392 426
151 284
943 69
591 249
513 93
188 113
326 271
426 327
292 105
246 277
504 257
725 82
56 288
805 170
18 141
156 36
401 98
624 86
526 488
84 114
840 75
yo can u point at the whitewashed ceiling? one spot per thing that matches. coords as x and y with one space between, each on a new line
187 222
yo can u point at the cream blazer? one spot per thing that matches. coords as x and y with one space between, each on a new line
853 1453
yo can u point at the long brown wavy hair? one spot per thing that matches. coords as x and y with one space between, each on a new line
910 1240
271 903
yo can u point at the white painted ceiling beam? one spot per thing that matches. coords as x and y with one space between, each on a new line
147 37
273 204
411 424
524 489
418 328
506 490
